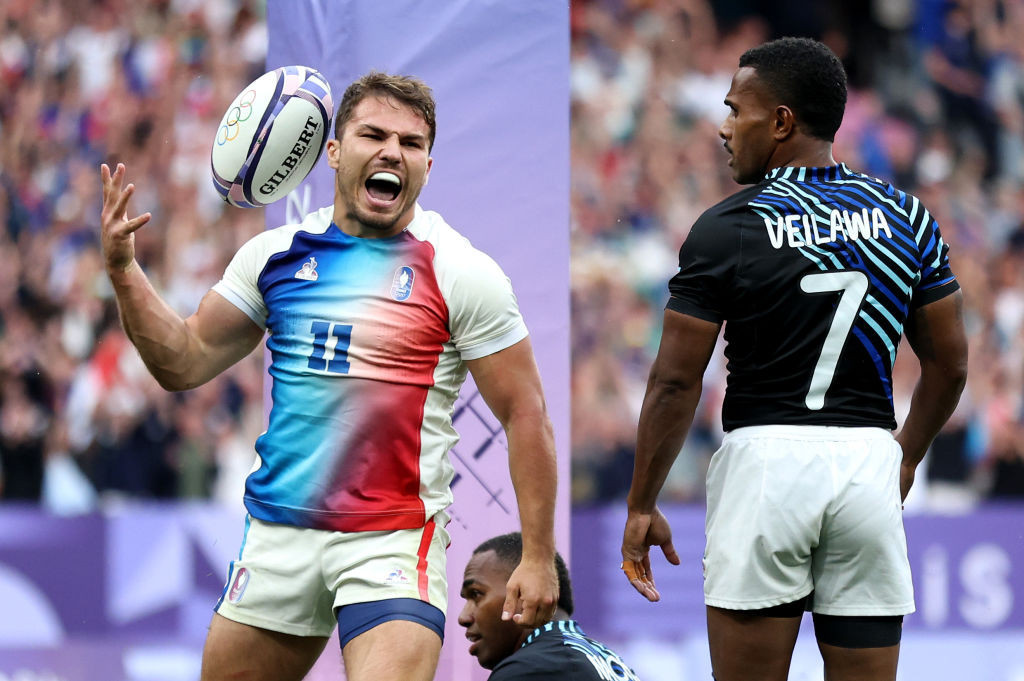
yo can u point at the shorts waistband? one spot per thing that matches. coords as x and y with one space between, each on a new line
816 433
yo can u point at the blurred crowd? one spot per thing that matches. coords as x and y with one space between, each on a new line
143 83
936 105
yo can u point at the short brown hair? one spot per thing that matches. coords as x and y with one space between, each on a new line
408 90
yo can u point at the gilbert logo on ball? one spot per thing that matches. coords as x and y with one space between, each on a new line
271 136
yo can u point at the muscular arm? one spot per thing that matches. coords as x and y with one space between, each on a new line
937 336
673 390
180 353
510 384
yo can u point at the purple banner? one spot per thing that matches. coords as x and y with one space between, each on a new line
127 596
500 75
968 571
968 574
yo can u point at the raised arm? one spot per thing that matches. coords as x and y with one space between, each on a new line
510 384
673 390
937 336
180 353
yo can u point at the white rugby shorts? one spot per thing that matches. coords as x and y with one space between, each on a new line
795 509
292 579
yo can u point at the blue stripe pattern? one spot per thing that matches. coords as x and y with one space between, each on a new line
896 267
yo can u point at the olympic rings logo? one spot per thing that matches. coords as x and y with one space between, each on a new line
236 114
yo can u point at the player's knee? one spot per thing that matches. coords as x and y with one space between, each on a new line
858 632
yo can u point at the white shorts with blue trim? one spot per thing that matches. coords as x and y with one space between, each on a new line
796 509
293 579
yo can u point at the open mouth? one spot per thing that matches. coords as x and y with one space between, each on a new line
384 186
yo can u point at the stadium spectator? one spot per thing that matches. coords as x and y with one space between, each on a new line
896 128
85 82
643 164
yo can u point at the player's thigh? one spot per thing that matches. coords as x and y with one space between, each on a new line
397 650
859 664
241 652
748 645
861 648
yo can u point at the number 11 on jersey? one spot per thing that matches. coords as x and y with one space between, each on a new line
854 286
330 347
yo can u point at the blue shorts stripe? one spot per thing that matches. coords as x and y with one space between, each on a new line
359 618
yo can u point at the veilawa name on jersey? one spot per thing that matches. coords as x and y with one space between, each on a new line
798 230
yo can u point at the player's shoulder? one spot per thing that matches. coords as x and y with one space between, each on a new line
537 662
316 222
452 250
736 205
280 238
888 193
720 222
431 227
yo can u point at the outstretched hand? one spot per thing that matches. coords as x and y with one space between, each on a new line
644 530
117 232
532 594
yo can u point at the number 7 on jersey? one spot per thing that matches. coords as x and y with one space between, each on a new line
854 286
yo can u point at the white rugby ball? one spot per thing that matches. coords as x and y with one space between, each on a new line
271 136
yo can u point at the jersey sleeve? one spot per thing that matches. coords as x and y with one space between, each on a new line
483 313
239 285
707 262
937 280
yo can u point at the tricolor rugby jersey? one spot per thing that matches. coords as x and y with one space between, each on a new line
814 272
367 340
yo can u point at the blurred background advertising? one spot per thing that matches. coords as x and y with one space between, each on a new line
120 504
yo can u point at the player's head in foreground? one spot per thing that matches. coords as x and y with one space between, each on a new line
383 134
786 103
483 588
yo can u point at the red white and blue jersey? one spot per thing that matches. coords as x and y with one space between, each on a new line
368 339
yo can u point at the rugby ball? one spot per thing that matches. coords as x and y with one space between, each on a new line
271 136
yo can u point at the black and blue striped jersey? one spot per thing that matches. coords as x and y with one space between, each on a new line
814 272
560 651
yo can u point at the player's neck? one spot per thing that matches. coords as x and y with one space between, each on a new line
350 224
559 615
803 153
